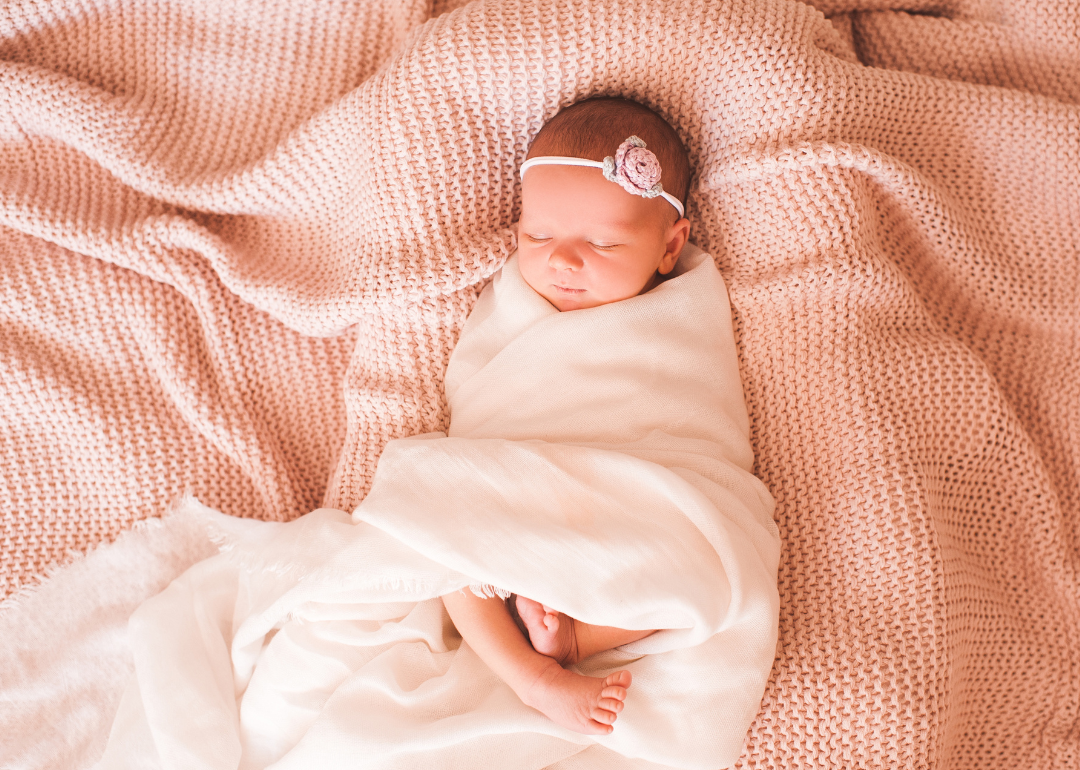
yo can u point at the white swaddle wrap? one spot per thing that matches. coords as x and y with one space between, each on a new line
597 461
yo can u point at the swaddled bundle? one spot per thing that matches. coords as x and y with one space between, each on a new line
597 461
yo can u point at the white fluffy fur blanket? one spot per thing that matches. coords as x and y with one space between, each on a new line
597 461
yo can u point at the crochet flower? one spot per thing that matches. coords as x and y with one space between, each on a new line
634 168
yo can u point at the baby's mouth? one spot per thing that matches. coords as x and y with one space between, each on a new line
568 290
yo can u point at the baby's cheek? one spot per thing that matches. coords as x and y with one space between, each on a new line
527 268
633 281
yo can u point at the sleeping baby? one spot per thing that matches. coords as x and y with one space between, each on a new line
597 469
597 226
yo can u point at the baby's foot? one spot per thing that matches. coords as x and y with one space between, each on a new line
584 704
551 633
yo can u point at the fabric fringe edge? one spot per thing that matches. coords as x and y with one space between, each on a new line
488 591
71 557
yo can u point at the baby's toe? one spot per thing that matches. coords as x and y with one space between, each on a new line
618 679
603 716
611 704
533 616
616 693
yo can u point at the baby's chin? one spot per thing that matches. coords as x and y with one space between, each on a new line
564 303
586 298
582 301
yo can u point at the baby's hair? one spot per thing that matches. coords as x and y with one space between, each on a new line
595 128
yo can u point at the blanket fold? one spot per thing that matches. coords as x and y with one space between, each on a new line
629 515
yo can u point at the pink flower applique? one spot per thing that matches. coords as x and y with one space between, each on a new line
634 168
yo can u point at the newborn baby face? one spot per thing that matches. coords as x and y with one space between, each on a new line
584 241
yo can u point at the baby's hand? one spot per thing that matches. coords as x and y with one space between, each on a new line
551 633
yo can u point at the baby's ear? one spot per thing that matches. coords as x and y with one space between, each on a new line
677 237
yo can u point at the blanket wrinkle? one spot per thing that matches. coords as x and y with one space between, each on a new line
889 194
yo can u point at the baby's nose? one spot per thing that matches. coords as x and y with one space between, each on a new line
564 258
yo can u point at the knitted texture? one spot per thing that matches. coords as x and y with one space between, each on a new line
239 241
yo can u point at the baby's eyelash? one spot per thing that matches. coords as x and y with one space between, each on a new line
604 247
537 238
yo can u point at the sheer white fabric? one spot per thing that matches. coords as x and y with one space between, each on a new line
598 461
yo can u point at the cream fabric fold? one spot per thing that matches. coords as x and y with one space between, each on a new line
597 461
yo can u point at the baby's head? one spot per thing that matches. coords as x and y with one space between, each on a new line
583 240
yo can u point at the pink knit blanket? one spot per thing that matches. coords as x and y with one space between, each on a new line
239 241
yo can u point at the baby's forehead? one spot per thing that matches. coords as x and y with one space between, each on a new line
582 197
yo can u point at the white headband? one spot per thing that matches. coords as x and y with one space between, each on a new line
633 168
